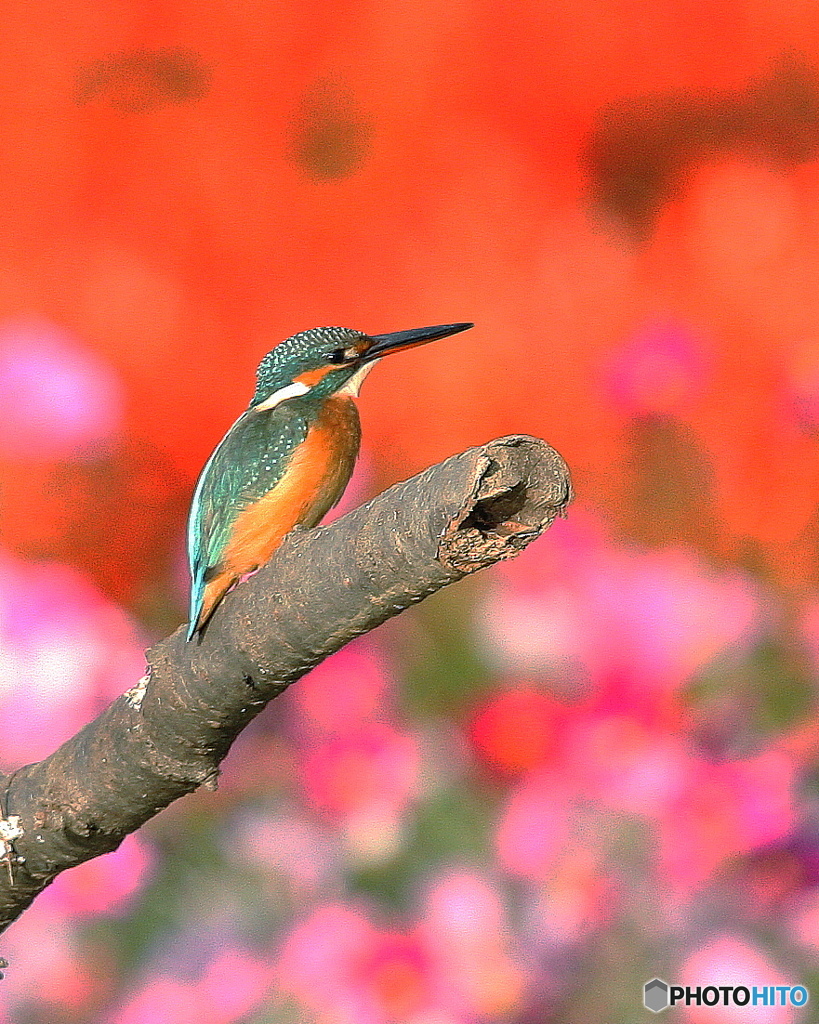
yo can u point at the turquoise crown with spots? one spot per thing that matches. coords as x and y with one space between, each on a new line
309 350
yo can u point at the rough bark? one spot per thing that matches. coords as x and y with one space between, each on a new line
322 588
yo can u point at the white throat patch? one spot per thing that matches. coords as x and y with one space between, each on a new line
353 385
294 390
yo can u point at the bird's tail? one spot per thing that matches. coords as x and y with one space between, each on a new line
197 600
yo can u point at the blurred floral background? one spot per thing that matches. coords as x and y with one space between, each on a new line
596 764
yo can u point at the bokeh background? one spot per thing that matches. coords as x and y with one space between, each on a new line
596 764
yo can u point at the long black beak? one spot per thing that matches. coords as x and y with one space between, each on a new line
382 344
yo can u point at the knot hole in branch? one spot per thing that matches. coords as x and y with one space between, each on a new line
498 512
496 526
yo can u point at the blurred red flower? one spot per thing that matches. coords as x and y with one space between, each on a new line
515 730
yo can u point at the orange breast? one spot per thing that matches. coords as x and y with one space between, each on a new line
314 481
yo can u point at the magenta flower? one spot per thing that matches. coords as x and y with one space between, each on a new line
583 611
661 370
347 689
59 400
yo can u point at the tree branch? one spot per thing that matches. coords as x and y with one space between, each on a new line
321 589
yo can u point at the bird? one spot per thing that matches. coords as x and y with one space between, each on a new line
287 459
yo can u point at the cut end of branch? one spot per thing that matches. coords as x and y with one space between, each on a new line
521 486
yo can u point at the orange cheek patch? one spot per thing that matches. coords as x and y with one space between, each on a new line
312 377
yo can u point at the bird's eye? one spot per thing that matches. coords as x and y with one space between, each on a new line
338 355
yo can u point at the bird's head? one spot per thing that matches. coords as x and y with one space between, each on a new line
327 360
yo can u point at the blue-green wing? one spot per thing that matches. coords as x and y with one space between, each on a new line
249 461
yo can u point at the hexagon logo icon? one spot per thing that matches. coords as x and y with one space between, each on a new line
655 995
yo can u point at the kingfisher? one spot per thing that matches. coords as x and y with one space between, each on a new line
288 458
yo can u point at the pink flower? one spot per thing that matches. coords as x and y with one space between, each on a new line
58 398
805 921
658 617
230 988
661 370
344 969
578 896
535 826
722 810
396 972
319 964
104 885
47 965
637 623
233 985
462 909
465 929
370 767
345 690
65 653
533 621
453 966
164 1001
622 764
